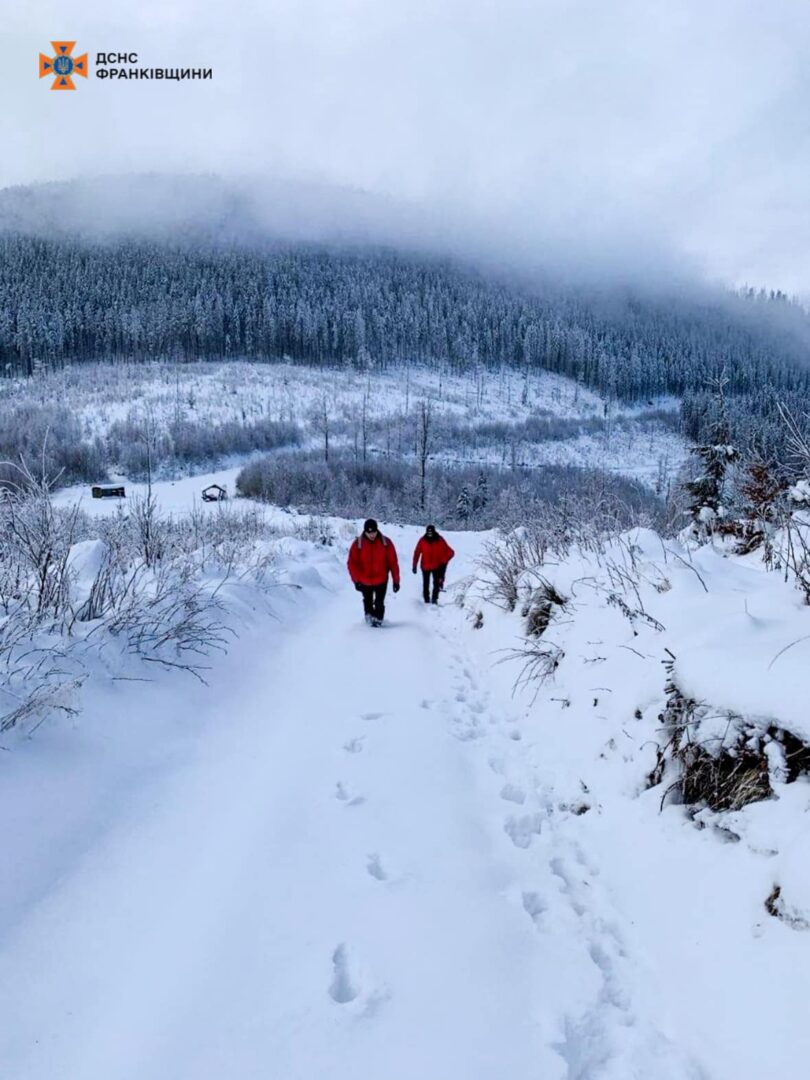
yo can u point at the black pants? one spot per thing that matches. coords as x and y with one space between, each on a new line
374 599
438 583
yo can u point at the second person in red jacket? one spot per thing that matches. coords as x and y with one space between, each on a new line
435 553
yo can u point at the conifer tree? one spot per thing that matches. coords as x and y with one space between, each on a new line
705 491
463 505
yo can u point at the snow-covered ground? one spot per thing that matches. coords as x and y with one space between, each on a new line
361 853
103 393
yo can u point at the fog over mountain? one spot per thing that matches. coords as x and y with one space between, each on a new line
178 268
635 137
248 210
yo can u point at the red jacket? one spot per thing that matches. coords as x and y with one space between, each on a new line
371 560
434 553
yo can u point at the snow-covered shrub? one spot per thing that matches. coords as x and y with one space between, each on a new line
39 670
39 430
539 661
727 776
166 615
456 496
539 609
35 543
146 583
39 673
318 530
760 489
720 759
503 564
705 489
512 564
182 442
792 547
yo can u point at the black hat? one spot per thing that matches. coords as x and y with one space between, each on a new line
370 525
430 528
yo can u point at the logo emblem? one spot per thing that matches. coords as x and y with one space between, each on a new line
62 66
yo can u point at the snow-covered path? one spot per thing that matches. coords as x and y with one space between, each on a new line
355 876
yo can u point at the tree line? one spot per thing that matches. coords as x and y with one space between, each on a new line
66 301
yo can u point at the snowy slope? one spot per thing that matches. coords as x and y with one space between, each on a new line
99 395
678 905
359 854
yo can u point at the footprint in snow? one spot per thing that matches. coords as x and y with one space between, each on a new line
345 796
342 988
375 868
371 715
513 793
521 830
353 746
350 985
568 885
534 905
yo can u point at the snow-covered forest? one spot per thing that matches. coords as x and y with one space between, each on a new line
72 300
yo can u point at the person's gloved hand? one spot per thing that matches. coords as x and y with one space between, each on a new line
358 586
414 569
396 586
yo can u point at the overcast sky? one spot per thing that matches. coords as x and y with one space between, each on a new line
637 128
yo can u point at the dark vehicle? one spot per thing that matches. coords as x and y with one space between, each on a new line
99 492
214 493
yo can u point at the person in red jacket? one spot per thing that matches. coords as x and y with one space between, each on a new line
372 557
435 554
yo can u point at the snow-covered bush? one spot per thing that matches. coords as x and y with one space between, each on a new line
717 760
138 582
760 490
456 496
35 543
705 489
318 530
512 564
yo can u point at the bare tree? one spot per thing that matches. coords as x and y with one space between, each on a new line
148 436
37 539
423 444
797 442
323 419
364 419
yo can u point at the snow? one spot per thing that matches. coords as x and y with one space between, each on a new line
84 561
362 853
